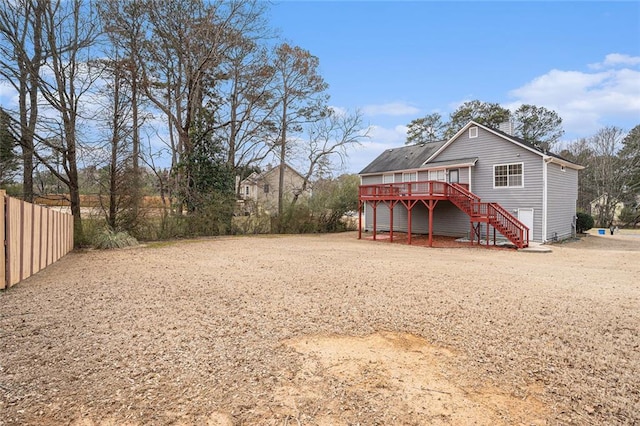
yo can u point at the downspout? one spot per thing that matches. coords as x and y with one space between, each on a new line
545 184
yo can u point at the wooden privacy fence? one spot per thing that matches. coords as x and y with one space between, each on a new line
33 238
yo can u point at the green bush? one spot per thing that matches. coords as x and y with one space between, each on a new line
584 222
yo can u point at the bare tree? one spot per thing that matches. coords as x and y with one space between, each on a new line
120 183
248 106
124 23
21 56
328 144
301 95
609 182
185 45
70 30
580 152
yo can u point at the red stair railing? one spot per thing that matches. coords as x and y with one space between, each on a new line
508 225
491 213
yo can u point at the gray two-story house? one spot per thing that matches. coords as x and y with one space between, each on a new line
482 181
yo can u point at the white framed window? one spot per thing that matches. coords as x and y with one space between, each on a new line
473 132
387 178
454 176
410 177
508 175
437 175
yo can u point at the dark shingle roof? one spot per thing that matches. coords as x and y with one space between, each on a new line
403 158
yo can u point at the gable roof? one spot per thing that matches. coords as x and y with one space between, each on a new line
255 177
403 158
551 157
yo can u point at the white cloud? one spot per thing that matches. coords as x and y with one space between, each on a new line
616 59
393 109
586 101
380 139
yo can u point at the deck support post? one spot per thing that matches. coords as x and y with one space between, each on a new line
360 219
488 239
391 205
409 225
431 206
409 206
471 232
375 219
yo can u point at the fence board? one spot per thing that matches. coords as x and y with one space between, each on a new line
14 241
27 234
33 237
44 237
3 270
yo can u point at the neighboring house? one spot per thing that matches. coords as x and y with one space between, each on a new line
483 181
263 188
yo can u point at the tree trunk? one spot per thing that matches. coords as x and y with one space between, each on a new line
135 154
283 158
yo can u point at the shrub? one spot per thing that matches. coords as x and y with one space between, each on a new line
110 240
584 222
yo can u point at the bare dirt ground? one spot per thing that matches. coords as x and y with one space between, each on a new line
325 330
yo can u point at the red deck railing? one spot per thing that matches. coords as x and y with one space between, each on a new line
491 213
404 189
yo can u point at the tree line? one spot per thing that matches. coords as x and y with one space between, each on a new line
611 157
101 83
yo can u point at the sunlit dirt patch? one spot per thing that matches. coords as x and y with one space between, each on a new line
394 377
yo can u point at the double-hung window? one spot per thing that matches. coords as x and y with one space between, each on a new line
410 177
508 176
437 175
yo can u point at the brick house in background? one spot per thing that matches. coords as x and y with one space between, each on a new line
263 188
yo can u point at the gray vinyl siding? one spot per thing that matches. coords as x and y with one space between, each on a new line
383 218
493 150
562 195
448 220
371 180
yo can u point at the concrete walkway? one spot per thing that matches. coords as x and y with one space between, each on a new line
536 248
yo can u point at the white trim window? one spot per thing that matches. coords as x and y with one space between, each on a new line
508 175
409 177
438 175
473 132
387 178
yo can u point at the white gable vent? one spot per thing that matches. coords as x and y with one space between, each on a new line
473 132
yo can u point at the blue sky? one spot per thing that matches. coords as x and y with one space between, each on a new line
397 61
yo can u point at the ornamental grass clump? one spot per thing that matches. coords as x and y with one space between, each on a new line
111 240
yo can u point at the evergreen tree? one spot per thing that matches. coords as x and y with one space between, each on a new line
9 161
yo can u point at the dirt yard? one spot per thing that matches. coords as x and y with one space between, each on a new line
325 330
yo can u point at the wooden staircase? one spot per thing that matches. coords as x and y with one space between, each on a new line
492 214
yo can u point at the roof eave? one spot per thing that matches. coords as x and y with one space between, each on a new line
560 161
